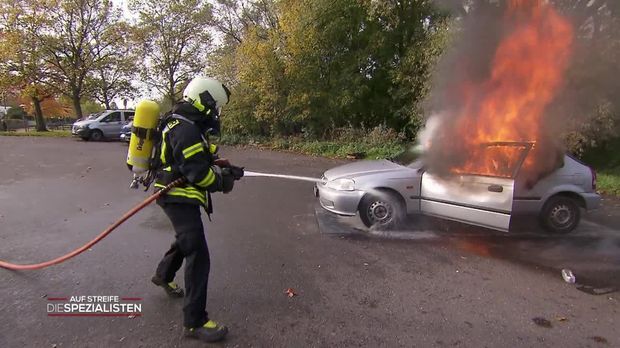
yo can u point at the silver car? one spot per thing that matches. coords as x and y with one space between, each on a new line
384 191
106 124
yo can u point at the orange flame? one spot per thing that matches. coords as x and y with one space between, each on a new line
526 73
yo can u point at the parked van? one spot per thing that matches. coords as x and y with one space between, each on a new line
106 124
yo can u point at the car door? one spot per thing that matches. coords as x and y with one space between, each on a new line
111 125
478 193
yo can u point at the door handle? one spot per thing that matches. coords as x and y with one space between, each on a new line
495 188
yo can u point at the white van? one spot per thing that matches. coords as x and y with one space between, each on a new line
106 124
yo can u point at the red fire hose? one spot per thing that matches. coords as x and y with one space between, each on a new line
102 235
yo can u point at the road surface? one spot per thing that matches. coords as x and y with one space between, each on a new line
438 285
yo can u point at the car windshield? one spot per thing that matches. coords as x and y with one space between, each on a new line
408 156
494 159
94 116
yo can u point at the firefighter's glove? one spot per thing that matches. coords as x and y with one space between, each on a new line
237 172
228 180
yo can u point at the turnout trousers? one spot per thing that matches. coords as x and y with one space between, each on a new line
189 244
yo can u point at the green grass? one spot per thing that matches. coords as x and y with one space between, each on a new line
51 134
606 160
608 182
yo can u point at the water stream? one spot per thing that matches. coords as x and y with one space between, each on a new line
281 176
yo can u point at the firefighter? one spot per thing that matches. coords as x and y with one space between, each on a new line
185 152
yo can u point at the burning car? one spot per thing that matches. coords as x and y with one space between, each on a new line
384 191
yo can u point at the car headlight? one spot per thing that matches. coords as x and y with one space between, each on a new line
341 184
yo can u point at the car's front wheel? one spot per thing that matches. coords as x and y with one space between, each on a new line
560 215
382 209
96 135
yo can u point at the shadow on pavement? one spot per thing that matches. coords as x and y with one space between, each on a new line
592 252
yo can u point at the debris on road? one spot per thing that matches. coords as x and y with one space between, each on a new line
599 339
561 318
542 322
290 292
568 276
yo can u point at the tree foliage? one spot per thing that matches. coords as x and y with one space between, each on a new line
80 36
22 64
315 66
173 42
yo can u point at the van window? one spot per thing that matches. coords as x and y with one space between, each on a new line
129 115
94 116
113 117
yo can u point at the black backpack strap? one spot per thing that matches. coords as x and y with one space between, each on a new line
183 118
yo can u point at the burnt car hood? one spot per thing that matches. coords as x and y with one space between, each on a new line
361 168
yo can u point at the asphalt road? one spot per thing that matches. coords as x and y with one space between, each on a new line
440 284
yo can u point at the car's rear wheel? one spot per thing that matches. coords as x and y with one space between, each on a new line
382 209
560 215
96 135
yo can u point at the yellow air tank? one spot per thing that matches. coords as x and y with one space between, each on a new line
141 142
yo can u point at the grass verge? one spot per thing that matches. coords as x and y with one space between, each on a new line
51 134
608 182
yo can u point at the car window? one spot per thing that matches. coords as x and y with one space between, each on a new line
495 159
129 115
94 116
113 117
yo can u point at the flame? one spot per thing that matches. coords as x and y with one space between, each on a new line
526 73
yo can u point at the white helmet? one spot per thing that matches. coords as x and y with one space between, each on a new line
205 93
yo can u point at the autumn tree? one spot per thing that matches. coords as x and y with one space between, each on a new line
22 65
173 40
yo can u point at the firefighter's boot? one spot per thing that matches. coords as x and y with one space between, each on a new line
172 289
209 332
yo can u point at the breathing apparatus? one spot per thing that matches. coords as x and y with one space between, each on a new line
143 136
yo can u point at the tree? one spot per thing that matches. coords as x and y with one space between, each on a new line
21 58
173 40
77 39
233 18
319 65
111 76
